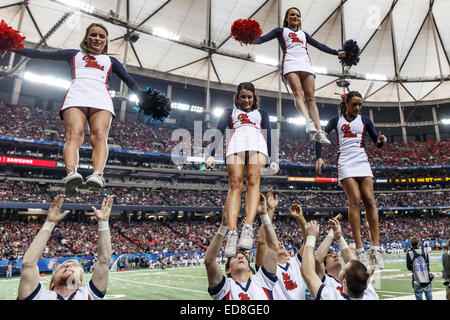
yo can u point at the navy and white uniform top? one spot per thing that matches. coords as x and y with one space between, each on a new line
331 289
90 77
251 131
87 292
353 160
290 284
258 287
294 45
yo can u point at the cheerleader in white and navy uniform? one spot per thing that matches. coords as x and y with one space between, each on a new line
297 68
249 148
87 99
354 171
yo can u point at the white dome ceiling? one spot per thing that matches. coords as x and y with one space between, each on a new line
404 42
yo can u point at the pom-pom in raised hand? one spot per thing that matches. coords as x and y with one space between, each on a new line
352 52
10 39
246 31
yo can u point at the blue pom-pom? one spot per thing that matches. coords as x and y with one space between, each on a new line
154 105
352 52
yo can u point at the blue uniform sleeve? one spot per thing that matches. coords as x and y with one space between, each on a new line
265 124
320 46
372 132
329 127
47 55
224 122
118 69
275 33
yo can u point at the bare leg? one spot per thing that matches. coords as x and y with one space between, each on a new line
309 88
255 164
351 188
75 121
368 198
99 123
235 166
297 90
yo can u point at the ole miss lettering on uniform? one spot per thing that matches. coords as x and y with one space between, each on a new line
90 77
247 133
353 160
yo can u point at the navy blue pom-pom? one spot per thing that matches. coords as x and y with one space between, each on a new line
352 52
154 105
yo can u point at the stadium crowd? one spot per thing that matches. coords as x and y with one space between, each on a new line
13 190
34 123
169 234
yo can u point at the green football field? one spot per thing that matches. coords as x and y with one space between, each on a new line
394 282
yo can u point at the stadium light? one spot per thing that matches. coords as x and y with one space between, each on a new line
300 121
297 121
196 109
264 60
373 76
180 106
445 121
218 111
80 5
133 98
48 80
320 70
163 33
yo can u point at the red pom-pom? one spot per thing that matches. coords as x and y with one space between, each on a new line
246 31
10 39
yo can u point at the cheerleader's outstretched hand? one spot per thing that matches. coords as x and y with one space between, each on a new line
381 138
319 164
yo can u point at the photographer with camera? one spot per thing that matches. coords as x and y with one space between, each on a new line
418 261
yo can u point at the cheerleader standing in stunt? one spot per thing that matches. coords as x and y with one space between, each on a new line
354 172
246 148
296 68
87 99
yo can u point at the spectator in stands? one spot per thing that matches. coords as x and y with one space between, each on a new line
66 282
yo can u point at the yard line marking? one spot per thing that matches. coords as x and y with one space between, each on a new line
396 292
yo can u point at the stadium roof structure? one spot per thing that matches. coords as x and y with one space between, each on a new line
405 43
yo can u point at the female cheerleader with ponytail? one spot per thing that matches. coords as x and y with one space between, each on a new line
297 68
354 171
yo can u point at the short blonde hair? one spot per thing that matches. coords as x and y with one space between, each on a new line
52 284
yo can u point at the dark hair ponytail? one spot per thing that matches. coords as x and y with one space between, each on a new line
346 98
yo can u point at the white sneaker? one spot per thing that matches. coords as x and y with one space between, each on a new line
246 239
232 244
321 137
378 258
71 183
363 258
310 126
95 182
